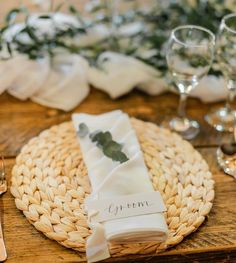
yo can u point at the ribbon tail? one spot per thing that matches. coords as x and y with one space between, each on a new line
97 246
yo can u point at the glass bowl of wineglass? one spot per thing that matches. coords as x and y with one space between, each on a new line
189 55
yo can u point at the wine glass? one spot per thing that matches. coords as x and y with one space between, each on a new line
189 56
223 119
226 156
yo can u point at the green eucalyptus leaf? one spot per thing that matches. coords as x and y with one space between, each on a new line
31 32
72 9
45 17
93 135
198 61
58 7
9 48
12 15
102 137
119 157
75 12
97 8
112 147
3 29
83 130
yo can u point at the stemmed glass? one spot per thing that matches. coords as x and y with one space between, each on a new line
189 56
224 118
226 156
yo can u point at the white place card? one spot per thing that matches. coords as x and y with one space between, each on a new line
126 206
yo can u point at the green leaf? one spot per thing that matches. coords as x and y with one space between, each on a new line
93 135
9 48
59 6
45 17
72 9
83 130
3 29
119 157
31 32
198 61
97 8
101 137
11 15
111 147
75 12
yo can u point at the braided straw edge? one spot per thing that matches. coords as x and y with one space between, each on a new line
181 222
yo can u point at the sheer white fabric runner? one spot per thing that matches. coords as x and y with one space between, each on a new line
116 75
110 179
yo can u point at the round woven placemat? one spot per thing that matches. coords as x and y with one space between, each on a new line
49 183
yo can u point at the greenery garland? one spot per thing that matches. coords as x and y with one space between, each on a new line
147 45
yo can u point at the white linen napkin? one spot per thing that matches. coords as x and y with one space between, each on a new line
110 179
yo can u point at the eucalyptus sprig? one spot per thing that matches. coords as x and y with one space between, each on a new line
104 141
158 22
38 45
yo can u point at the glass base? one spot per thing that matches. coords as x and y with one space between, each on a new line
188 129
226 162
221 119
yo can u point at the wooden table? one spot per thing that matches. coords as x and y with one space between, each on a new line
215 241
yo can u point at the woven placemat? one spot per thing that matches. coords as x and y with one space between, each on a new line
49 183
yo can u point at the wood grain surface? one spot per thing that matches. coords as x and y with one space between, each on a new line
22 120
215 240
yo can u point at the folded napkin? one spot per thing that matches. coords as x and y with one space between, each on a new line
110 179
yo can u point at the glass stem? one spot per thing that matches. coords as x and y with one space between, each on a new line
182 105
231 95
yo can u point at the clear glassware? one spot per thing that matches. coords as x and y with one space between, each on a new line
226 155
223 119
189 56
